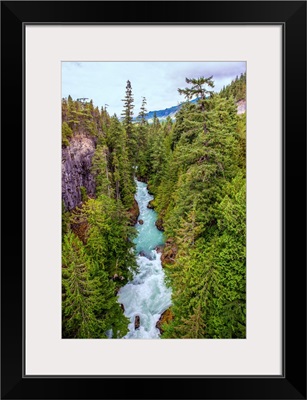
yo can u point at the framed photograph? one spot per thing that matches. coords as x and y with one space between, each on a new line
159 202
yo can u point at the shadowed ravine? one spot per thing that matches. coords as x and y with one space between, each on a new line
146 296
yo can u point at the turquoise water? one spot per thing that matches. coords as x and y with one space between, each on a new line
146 295
149 237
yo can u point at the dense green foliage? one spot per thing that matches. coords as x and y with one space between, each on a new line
237 88
66 134
78 117
97 247
132 144
199 186
96 254
196 168
90 308
111 164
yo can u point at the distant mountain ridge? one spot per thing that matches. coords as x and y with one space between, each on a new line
172 111
167 112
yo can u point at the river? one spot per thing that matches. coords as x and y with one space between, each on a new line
146 296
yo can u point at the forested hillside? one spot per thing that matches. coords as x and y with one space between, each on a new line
237 88
196 169
96 249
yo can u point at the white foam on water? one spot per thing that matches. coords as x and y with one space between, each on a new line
146 296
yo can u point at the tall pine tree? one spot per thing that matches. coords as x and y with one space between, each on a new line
142 133
127 115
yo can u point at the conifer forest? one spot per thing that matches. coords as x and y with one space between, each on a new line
154 215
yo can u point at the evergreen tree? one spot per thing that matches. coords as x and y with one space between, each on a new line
90 308
127 115
198 90
80 292
157 154
105 119
120 163
107 237
101 171
66 134
155 123
143 112
237 88
142 134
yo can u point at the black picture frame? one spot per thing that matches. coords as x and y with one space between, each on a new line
292 16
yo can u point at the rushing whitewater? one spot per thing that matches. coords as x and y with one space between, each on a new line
146 295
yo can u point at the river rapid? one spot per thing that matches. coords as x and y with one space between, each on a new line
146 296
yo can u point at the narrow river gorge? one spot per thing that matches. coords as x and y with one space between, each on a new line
146 297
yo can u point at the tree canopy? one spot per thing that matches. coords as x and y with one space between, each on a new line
196 168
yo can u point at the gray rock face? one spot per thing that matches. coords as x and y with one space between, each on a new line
76 169
241 106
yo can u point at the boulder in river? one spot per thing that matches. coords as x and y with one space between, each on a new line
116 277
159 225
142 179
160 248
148 255
150 205
140 221
137 322
165 318
134 213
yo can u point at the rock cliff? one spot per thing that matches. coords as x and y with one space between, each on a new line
241 106
76 169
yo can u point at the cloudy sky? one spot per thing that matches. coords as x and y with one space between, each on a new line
105 82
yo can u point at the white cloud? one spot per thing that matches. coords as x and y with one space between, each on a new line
105 82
